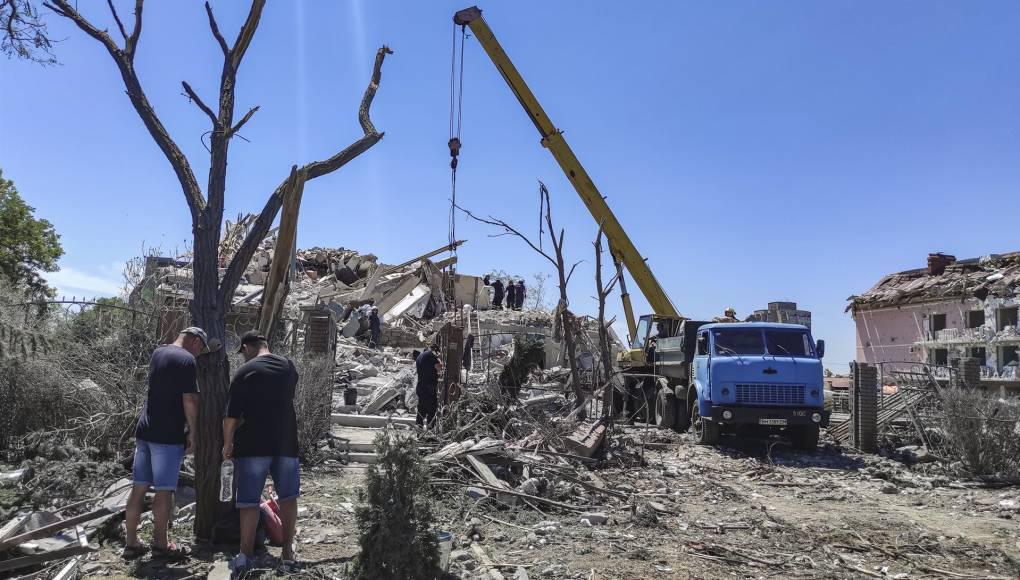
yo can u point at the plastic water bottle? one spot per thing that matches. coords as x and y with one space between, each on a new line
227 480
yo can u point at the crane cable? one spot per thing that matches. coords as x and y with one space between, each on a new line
456 122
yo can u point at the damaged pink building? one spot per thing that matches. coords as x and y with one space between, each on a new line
950 309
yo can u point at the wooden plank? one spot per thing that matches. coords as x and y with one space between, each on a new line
82 548
490 567
56 527
370 420
486 474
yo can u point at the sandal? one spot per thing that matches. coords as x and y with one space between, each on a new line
172 551
288 567
132 552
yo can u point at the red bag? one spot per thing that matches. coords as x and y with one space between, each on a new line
271 522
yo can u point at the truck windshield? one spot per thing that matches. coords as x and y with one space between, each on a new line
789 343
738 341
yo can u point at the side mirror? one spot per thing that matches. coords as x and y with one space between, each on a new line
820 348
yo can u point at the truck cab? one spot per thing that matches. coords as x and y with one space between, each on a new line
733 375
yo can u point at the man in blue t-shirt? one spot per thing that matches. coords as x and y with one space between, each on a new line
161 441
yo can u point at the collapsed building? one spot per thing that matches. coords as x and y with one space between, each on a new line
951 309
331 291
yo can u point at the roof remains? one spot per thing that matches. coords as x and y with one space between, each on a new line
944 279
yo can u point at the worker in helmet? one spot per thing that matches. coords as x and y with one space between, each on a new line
730 315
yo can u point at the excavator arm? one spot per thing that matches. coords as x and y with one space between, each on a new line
620 246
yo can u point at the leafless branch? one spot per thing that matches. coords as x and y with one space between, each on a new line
245 119
314 169
216 30
116 18
193 96
132 40
123 59
246 33
571 273
507 230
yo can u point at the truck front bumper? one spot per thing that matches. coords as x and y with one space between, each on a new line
769 416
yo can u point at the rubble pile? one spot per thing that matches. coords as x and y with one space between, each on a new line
344 281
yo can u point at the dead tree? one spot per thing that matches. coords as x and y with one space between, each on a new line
566 318
605 353
212 293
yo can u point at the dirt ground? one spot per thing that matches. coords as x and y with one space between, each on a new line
750 509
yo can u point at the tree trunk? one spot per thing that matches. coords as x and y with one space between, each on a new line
567 321
209 312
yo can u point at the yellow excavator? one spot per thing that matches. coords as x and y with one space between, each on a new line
664 321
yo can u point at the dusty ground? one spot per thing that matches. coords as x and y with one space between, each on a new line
755 509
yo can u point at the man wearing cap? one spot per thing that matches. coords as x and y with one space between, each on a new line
161 440
260 435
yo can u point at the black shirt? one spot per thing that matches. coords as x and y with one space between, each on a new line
171 374
262 393
427 373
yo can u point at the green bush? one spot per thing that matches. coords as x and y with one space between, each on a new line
395 521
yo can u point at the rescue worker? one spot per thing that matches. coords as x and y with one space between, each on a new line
520 294
486 280
730 315
511 295
374 328
497 294
428 366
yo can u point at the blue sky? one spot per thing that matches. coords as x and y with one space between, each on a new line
755 151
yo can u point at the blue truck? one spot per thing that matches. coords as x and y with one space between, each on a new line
720 378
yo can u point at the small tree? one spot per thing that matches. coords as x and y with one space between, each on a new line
28 245
565 317
604 350
395 523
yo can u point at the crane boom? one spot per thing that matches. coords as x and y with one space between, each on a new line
620 246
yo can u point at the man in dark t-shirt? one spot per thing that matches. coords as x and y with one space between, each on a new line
428 366
260 435
161 441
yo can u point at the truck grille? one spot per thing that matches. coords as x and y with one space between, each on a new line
766 394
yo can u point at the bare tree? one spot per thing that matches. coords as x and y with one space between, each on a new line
24 33
605 353
566 318
536 293
213 293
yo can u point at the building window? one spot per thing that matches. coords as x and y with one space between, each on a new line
979 353
1007 317
975 318
938 322
1007 355
940 357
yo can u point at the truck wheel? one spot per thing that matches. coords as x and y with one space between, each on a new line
665 409
805 438
683 416
706 432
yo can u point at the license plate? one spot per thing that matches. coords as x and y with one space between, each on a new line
772 421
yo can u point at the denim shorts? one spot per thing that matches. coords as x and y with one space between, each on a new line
157 464
251 472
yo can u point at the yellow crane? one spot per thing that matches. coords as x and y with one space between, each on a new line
622 249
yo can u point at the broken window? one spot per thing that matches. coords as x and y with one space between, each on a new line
1007 317
975 318
979 353
940 357
1008 356
938 322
